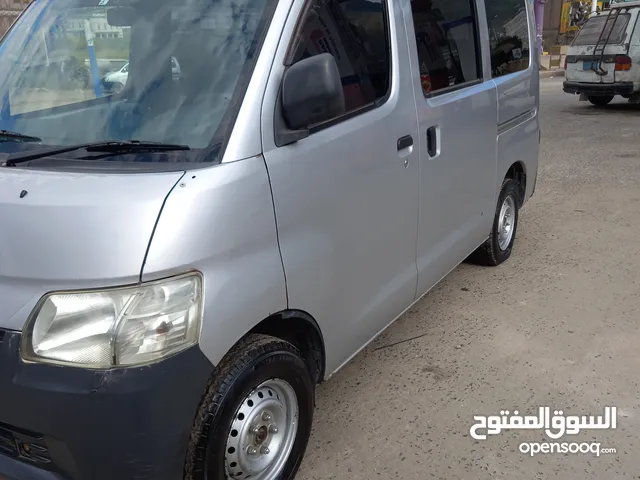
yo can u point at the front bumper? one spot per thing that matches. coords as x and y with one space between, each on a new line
598 89
106 85
69 423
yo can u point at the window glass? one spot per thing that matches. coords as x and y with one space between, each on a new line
355 33
508 36
592 30
58 62
58 70
447 43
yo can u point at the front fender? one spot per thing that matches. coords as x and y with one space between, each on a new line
221 221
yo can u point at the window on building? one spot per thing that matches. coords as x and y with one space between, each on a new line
508 36
448 52
355 32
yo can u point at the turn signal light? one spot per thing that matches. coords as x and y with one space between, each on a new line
623 63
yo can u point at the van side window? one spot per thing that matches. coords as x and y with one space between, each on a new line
446 37
508 36
355 32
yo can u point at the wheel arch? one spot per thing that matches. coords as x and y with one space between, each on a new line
518 172
300 329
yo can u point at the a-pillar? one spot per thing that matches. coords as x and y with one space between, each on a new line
539 14
93 62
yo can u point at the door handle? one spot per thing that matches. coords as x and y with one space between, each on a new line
432 141
405 142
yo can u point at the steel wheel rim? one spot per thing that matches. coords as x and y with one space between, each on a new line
263 432
506 222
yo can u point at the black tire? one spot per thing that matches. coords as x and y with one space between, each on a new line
117 87
489 253
600 101
255 359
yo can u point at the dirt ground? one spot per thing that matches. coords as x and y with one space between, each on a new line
556 326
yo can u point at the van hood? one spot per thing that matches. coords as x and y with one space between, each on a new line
61 231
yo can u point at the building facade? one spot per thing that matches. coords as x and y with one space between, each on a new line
551 24
9 11
561 22
518 26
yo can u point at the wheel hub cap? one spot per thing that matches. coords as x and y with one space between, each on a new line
263 432
506 222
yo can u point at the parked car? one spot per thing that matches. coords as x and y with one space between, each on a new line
181 267
116 81
603 60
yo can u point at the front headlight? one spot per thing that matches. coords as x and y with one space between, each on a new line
116 327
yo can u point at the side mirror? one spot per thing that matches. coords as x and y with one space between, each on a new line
312 92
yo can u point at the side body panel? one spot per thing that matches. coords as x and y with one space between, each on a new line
457 184
518 119
347 206
220 221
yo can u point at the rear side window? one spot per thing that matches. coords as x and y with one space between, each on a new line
355 32
508 36
446 37
591 31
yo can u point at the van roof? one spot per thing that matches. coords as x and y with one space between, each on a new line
624 4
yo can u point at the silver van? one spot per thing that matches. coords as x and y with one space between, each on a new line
181 262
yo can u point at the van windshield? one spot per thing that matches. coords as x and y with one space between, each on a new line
591 30
170 71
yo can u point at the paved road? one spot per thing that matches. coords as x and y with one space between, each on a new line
557 326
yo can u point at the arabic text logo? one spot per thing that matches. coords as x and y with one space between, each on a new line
556 426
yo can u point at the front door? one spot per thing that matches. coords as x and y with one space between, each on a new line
346 197
457 114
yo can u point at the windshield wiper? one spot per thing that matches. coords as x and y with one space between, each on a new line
134 146
130 146
6 135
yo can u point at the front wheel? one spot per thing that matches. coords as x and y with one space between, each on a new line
256 416
497 248
600 101
117 88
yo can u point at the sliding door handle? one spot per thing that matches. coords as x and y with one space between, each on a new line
432 141
405 142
